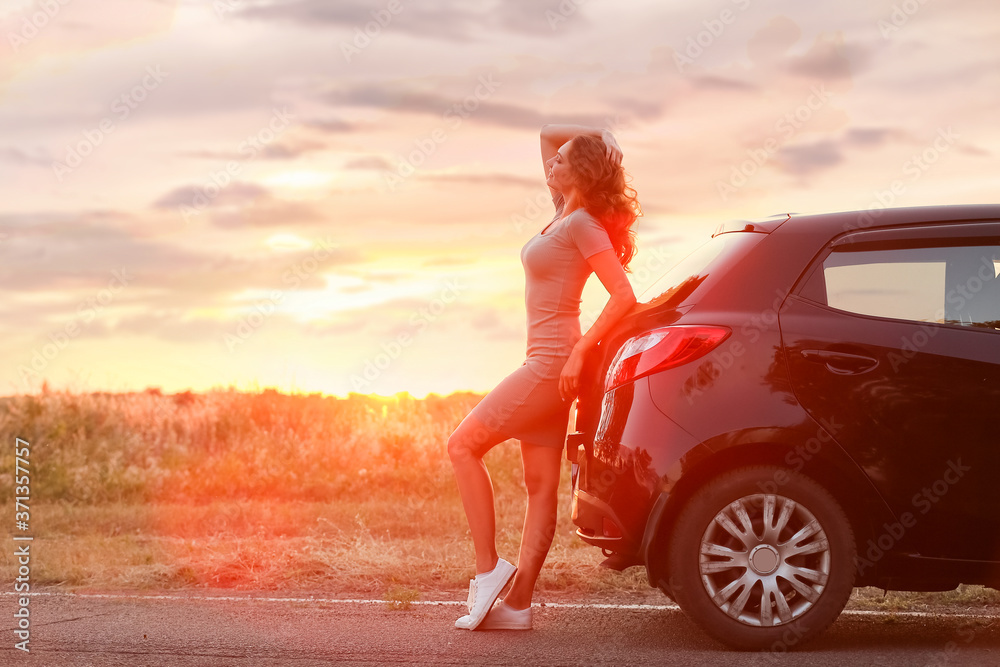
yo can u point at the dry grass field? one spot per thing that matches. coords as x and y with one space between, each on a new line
291 493
265 491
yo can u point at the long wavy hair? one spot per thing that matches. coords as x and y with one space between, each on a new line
606 193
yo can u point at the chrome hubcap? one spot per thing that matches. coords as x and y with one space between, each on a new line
764 560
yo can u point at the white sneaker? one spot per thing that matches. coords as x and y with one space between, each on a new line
502 617
483 592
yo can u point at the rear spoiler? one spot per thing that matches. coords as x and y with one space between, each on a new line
760 226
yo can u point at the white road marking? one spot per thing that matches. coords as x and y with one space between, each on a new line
554 605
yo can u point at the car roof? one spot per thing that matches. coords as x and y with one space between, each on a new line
788 241
831 224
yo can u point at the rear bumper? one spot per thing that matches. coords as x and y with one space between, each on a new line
632 458
598 525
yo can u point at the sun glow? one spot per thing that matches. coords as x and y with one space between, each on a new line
287 242
299 180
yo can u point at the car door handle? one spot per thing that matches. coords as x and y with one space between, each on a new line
841 363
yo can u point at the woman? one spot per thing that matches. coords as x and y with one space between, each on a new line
590 232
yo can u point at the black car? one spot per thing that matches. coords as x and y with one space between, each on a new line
808 404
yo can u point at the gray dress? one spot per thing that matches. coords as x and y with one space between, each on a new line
526 404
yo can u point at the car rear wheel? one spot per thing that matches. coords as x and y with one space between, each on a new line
762 565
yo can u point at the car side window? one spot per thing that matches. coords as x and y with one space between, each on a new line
945 284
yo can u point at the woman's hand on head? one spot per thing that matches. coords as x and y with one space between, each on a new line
614 150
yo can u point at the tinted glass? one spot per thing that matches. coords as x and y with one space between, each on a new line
676 285
952 285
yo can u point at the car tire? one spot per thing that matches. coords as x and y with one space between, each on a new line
736 570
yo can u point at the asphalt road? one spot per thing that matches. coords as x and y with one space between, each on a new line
235 630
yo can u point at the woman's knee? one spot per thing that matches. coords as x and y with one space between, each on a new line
463 446
471 440
458 448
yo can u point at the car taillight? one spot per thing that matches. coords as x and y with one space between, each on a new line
661 349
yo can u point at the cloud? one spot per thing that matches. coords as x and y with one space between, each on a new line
820 155
241 204
332 125
286 149
268 212
446 19
400 97
23 158
707 82
280 149
449 260
80 254
969 149
172 325
349 325
773 41
46 31
831 58
485 179
539 17
59 251
808 158
870 136
236 193
369 162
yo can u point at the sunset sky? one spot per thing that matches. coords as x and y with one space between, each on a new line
331 196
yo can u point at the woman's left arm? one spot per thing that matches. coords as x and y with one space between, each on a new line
611 274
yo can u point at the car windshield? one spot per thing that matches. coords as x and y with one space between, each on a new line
677 284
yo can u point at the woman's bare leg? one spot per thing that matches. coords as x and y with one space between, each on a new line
466 447
542 466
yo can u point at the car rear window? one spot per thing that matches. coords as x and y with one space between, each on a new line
680 284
